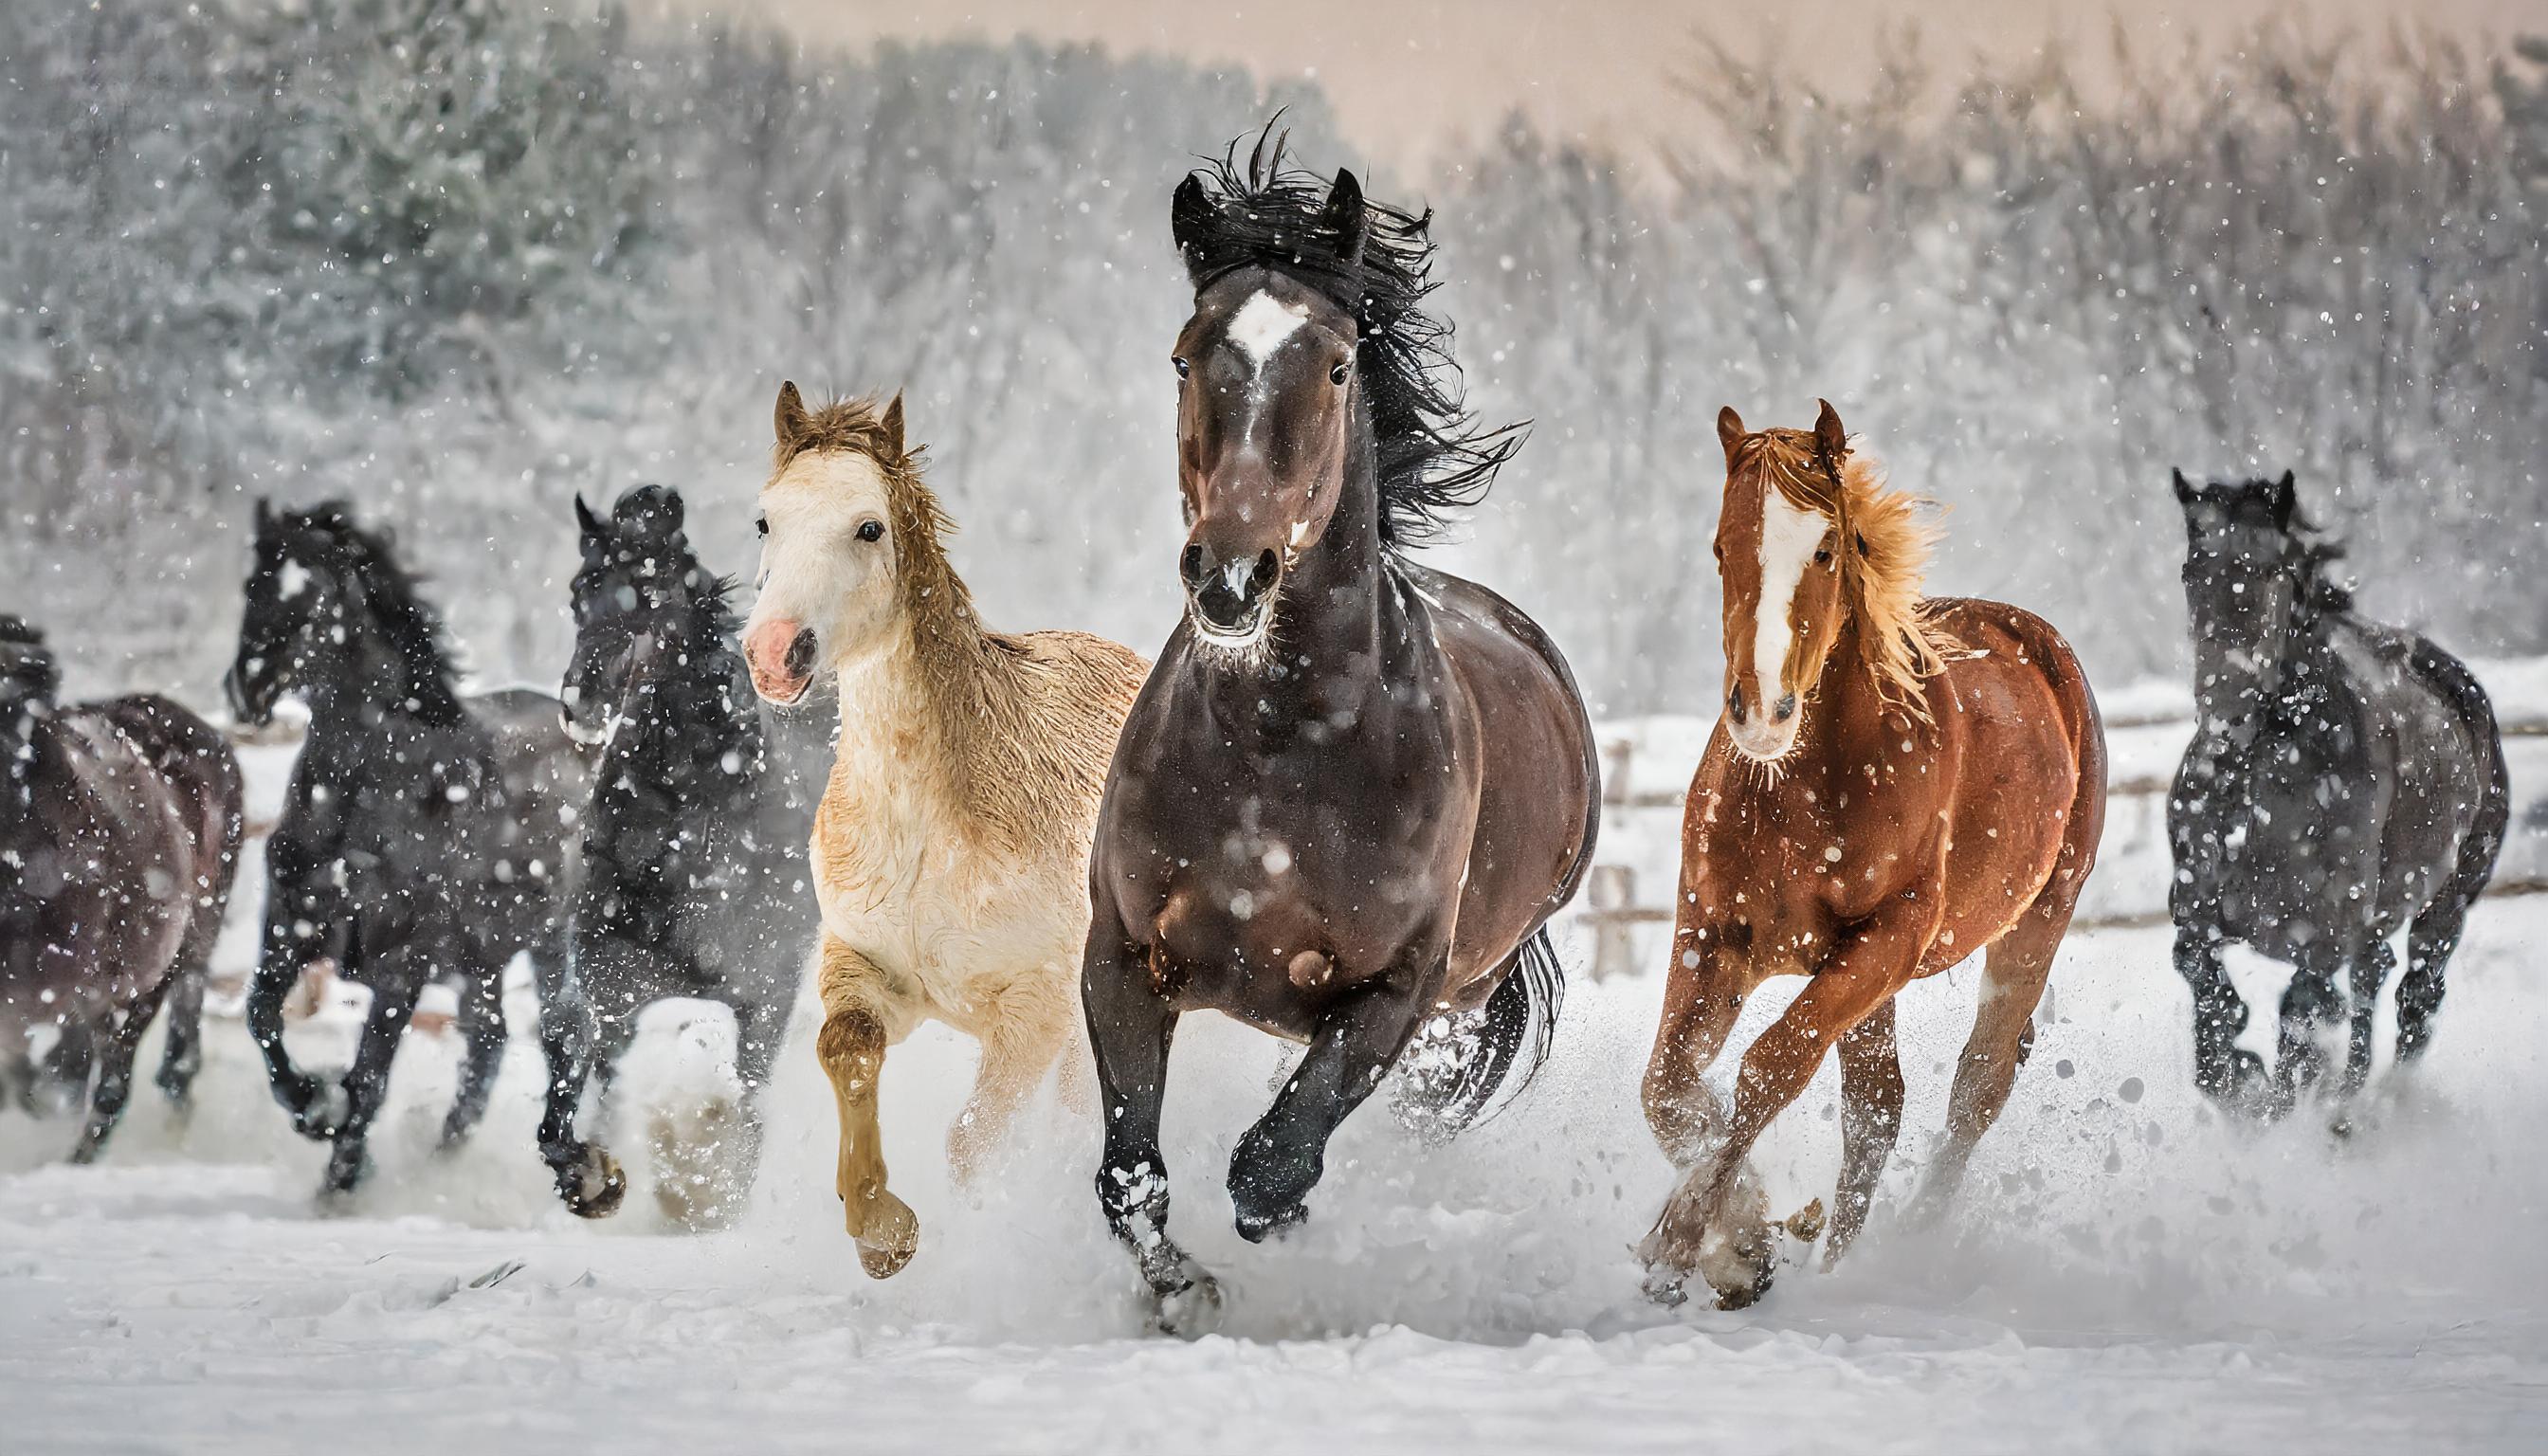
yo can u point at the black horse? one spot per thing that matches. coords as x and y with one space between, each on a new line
695 842
422 836
2346 781
1355 789
119 841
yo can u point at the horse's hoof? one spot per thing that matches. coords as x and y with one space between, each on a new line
1739 1265
887 1236
595 1186
1257 1226
323 1113
1668 1288
1191 1312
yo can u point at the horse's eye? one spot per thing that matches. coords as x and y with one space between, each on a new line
1182 366
870 530
1337 374
1823 557
760 523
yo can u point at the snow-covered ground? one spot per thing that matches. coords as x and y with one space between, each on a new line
2128 1272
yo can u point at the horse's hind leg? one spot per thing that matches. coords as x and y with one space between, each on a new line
2224 1071
1871 1119
2310 1003
2370 971
183 1055
482 1037
115 1073
2430 939
2003 1033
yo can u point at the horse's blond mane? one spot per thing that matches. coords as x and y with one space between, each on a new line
1025 724
1887 542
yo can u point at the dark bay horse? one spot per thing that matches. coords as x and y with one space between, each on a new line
2345 781
423 836
1896 782
119 841
1355 789
694 880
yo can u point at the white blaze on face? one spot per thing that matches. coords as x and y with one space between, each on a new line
1788 537
1262 325
292 580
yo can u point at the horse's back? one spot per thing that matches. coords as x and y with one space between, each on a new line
1539 808
2435 726
2013 689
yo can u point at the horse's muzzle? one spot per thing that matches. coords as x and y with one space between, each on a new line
1231 598
783 655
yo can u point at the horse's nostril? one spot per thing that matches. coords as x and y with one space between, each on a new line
1266 566
1787 707
1192 564
1734 704
800 654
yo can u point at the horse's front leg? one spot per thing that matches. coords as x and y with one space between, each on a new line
1021 1031
397 981
295 933
2227 1073
1280 1159
1702 998
589 1181
1130 1024
852 1045
1705 1228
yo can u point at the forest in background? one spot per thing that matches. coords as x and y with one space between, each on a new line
458 259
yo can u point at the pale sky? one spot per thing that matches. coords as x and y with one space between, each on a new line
1409 77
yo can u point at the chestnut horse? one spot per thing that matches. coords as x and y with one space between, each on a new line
1355 790
1896 782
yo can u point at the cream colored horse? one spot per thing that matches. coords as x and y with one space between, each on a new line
951 851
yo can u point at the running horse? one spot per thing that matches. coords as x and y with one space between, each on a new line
1895 783
119 841
1355 789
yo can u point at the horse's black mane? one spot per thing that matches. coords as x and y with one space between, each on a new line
653 515
1434 459
411 623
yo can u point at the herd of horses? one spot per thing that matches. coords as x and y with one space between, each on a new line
1342 805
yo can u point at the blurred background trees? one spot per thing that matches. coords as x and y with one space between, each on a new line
457 259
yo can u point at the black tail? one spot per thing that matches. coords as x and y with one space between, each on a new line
1460 1071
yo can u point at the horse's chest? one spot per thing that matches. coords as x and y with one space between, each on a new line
911 890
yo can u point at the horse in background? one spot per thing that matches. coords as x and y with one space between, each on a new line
1355 790
120 832
1895 783
951 850
423 836
694 880
2345 781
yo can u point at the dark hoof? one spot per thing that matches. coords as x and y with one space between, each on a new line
1258 1226
594 1186
1190 1312
320 1109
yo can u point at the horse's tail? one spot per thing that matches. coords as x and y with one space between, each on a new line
1460 1071
2476 711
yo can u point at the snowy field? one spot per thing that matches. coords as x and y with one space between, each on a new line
2127 1272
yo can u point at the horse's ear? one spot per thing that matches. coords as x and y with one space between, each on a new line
1347 214
672 511
2184 486
791 420
1830 437
264 515
1729 433
891 424
2285 497
585 520
1190 218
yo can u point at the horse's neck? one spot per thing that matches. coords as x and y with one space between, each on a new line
373 677
2233 708
694 730
1849 706
928 694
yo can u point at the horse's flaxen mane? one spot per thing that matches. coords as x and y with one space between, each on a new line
1885 546
1434 459
1013 721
